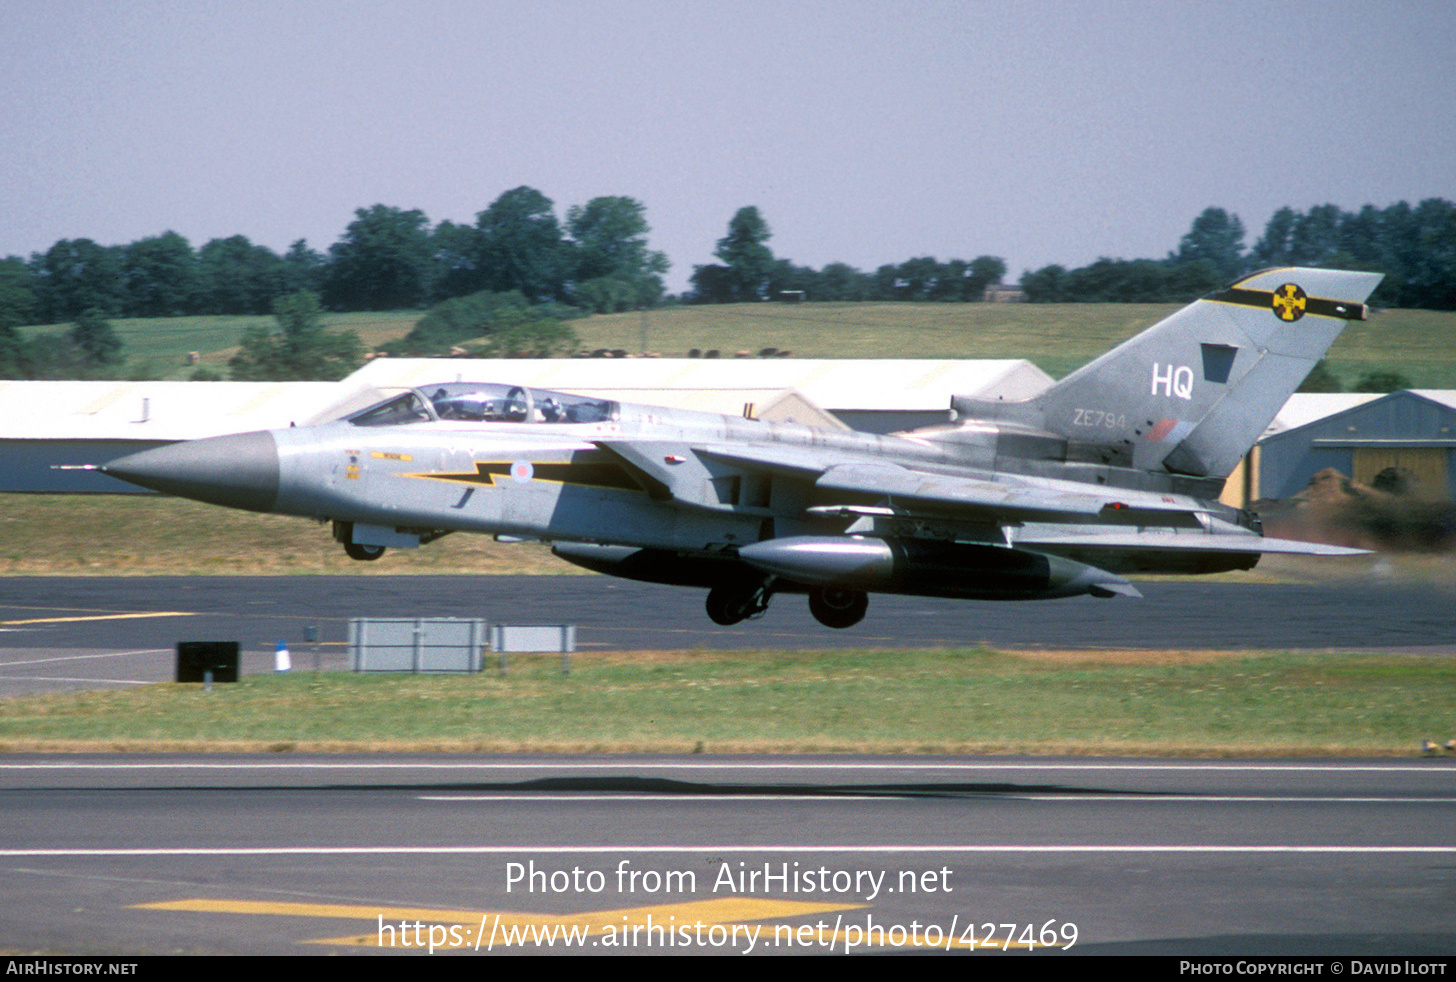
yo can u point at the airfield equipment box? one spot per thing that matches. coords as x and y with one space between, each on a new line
419 644
196 658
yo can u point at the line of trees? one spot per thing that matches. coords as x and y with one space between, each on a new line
598 259
1414 247
387 259
749 271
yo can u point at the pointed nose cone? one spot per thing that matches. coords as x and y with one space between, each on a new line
239 471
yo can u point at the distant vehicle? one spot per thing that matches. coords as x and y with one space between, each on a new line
1114 470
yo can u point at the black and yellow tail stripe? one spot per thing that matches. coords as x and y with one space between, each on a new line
1289 303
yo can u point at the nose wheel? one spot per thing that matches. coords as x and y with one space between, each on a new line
835 606
344 535
354 550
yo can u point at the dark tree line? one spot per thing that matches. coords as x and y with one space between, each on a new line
1414 247
749 271
161 276
387 259
597 259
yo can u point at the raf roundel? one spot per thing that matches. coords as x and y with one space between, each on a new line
1289 302
522 471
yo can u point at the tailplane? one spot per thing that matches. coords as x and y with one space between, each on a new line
1193 392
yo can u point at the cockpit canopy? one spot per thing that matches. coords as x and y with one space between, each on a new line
485 402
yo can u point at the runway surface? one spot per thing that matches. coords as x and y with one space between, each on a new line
703 855
59 632
294 854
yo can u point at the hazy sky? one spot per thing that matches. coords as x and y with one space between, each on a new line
866 131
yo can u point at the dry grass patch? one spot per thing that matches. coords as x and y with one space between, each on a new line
1124 656
134 535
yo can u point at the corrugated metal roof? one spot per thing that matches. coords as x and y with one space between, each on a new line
880 384
1304 408
1446 397
191 410
154 410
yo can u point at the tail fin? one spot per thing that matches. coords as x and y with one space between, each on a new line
1193 392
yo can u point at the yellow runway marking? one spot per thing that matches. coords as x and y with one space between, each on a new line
722 910
719 911
99 617
479 930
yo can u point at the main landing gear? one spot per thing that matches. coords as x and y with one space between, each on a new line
835 606
831 606
737 602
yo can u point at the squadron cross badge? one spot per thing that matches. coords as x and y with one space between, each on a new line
1289 302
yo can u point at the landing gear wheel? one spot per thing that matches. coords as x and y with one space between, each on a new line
723 609
362 552
835 606
729 605
517 408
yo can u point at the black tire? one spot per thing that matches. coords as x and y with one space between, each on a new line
363 553
517 409
725 606
835 606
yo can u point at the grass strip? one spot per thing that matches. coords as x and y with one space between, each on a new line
977 700
1056 337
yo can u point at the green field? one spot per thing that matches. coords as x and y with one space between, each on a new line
959 701
1056 337
157 347
156 535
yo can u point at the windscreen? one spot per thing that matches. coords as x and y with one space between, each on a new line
409 407
485 402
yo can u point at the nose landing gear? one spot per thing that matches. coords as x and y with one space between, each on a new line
355 550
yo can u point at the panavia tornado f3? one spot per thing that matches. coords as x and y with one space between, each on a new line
1114 470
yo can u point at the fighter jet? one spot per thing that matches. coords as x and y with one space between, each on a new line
1114 470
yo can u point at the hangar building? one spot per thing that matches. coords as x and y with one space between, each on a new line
1360 435
72 423
50 424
